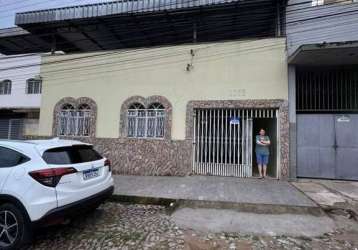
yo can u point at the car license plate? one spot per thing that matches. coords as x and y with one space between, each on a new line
90 173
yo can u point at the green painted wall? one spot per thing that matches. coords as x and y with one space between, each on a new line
221 71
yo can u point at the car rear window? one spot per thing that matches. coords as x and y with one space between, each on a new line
11 158
71 155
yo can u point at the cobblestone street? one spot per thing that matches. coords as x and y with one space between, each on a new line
125 226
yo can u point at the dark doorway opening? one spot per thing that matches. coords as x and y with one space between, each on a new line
270 126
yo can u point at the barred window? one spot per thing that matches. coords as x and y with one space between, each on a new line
74 122
330 2
33 86
146 123
5 87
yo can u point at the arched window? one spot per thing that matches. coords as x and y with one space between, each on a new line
5 87
75 122
66 119
84 117
33 86
156 116
146 122
136 120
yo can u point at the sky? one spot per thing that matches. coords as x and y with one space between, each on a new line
8 8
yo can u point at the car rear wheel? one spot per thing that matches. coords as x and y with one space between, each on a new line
14 227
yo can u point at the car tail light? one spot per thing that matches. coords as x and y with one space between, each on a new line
108 164
50 177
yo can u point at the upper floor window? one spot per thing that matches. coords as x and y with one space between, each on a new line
317 2
75 122
5 87
322 2
146 122
33 86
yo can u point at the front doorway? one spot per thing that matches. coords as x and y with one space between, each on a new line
224 139
270 126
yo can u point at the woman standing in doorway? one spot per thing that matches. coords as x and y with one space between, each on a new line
262 152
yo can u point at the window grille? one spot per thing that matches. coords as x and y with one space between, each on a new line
5 87
146 123
327 90
33 86
74 122
329 2
317 2
11 128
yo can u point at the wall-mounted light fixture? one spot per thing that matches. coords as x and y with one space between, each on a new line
190 66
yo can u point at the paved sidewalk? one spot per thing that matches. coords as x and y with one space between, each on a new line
265 196
348 189
331 194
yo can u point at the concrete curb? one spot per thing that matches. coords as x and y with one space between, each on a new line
242 207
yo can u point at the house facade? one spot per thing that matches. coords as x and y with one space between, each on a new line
165 89
20 96
322 44
174 88
146 111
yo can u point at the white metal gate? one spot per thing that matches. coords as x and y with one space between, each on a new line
223 143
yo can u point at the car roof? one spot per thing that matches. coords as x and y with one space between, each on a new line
41 145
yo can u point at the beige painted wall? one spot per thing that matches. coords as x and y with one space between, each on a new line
221 71
31 127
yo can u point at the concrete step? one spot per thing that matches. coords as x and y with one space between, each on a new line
237 206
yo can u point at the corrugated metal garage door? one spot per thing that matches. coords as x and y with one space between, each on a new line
11 128
327 147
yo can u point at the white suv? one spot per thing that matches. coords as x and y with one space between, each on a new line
44 182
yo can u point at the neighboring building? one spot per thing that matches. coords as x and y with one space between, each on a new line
178 88
323 88
20 96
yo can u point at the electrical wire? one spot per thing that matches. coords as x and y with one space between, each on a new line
117 42
104 69
30 65
156 35
33 4
103 55
160 34
122 62
241 6
97 62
